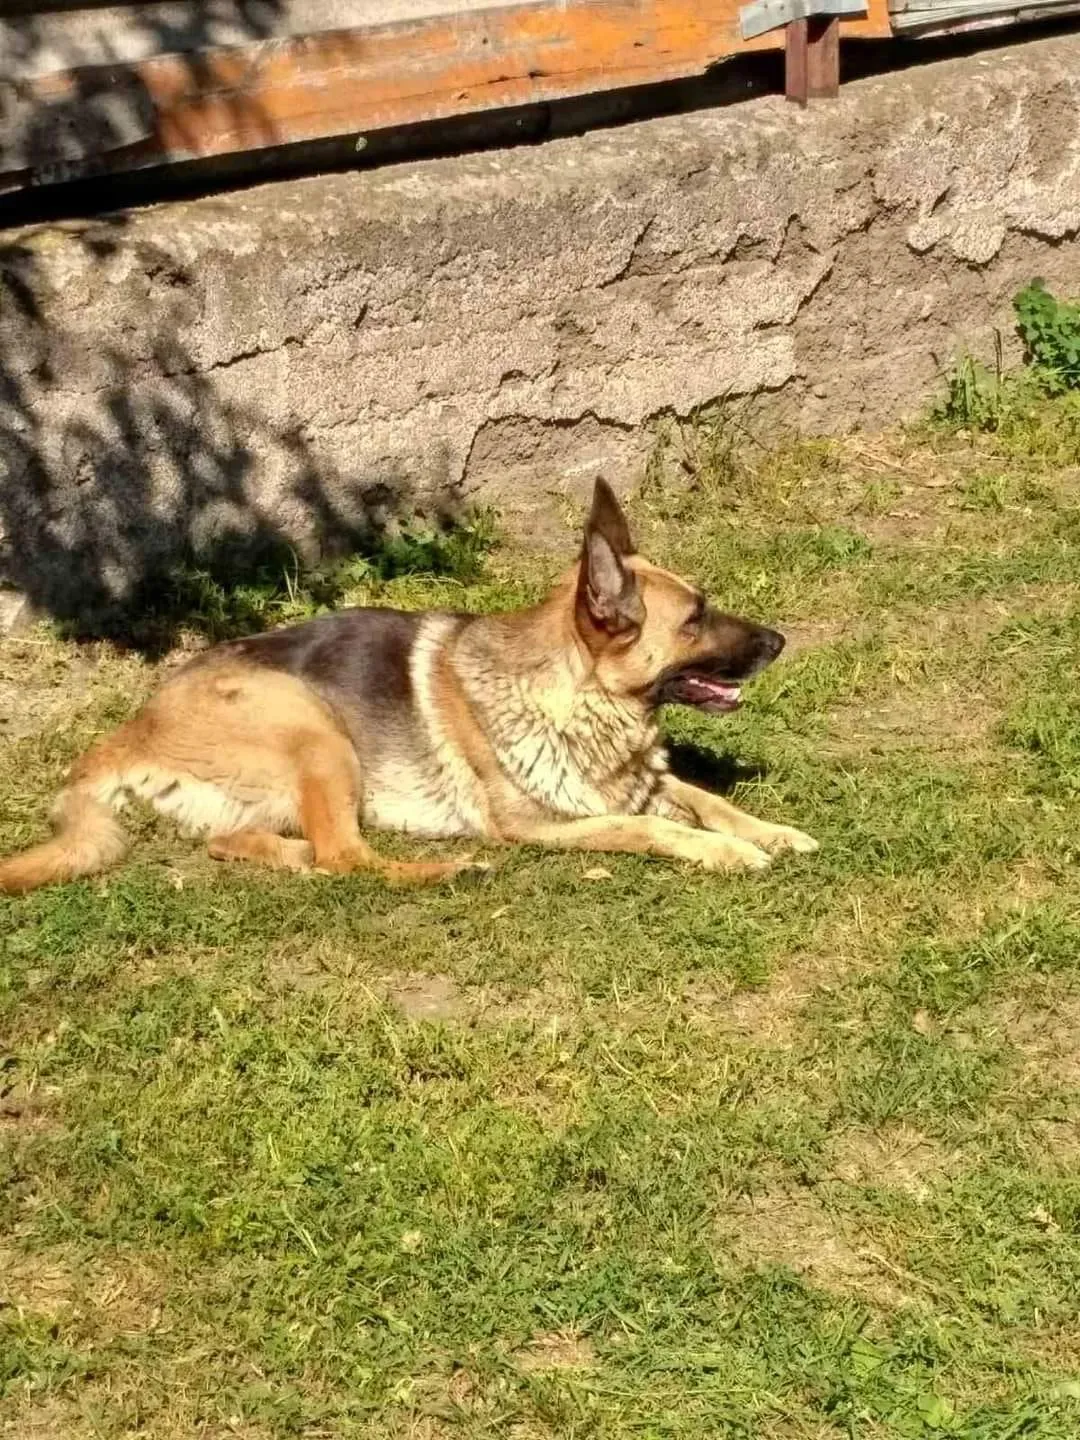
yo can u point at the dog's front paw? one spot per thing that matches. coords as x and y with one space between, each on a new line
786 837
726 852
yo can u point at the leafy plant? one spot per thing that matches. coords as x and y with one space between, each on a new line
457 552
1010 403
1051 332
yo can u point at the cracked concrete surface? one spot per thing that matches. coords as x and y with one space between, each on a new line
299 360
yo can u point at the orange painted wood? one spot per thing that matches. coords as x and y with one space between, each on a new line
276 92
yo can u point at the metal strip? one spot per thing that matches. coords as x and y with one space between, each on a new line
764 15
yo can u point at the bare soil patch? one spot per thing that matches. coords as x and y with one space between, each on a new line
556 1350
428 997
121 1296
27 1109
1047 1037
793 1228
897 1157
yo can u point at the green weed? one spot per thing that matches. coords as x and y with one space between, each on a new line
1051 332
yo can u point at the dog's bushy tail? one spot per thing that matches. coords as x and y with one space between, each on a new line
88 837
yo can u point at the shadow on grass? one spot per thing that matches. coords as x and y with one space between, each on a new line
719 773
228 596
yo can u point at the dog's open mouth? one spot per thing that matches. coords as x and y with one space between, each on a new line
703 692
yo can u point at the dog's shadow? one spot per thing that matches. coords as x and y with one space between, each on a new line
718 773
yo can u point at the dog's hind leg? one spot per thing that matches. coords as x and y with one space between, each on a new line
264 847
251 756
329 805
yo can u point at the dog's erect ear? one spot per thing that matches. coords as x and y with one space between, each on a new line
606 587
607 519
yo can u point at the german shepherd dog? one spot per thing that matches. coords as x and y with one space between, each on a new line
535 726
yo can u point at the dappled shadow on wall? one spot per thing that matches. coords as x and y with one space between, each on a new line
121 461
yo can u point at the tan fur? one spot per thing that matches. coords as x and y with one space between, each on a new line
713 812
536 726
87 839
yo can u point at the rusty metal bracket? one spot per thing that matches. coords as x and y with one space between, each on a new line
811 41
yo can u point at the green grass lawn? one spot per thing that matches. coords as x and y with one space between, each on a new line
597 1146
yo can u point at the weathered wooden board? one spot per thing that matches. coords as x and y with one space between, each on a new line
225 100
930 18
812 59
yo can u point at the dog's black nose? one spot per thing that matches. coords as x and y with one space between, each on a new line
772 642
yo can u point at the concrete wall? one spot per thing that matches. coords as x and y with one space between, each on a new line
294 361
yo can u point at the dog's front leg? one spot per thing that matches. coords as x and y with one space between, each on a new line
644 835
714 813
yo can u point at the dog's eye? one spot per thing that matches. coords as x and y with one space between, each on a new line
693 622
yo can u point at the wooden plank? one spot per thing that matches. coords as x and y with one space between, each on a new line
939 17
40 37
823 69
277 92
812 59
796 61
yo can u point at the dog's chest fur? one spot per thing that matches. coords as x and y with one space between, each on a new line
595 758
566 745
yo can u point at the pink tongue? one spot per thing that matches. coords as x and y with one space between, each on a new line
715 689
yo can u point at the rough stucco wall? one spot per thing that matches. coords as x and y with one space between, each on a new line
293 361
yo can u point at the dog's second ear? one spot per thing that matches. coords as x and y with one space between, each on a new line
607 588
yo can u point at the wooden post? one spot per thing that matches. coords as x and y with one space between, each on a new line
812 59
